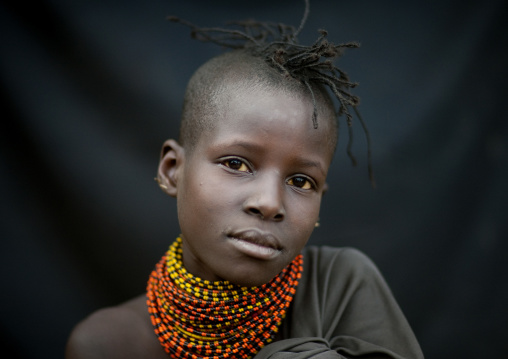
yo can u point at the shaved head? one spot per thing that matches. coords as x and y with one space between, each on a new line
214 83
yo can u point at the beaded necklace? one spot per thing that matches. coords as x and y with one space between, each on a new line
196 318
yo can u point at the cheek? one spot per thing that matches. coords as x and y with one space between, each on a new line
304 216
205 195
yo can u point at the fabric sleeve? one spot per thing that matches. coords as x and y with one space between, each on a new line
343 309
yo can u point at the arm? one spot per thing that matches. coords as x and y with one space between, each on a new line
343 309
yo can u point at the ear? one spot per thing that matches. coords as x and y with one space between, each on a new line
170 165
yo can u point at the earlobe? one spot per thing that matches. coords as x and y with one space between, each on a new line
170 164
325 188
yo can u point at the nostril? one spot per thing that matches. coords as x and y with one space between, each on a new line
255 211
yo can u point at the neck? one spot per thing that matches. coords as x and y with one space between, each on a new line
192 316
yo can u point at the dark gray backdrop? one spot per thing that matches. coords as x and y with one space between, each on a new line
91 89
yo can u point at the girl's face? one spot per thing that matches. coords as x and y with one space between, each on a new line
249 193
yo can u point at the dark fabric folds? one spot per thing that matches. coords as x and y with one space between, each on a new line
343 308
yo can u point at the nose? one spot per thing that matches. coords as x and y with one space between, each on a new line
265 198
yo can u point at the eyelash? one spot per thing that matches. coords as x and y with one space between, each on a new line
227 162
308 183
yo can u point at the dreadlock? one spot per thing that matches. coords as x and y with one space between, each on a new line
278 45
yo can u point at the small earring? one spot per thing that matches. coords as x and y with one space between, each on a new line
317 224
160 184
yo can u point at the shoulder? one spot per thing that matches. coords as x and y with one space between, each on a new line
336 271
123 331
343 298
346 260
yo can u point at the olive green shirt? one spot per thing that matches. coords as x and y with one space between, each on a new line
342 308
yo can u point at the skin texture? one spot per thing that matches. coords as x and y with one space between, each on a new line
258 176
213 83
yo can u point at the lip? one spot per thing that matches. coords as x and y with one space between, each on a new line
256 243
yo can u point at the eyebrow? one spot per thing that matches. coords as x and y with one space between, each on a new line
247 145
312 164
306 163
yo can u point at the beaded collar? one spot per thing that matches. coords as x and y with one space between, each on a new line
195 318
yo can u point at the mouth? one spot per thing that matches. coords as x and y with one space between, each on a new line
256 243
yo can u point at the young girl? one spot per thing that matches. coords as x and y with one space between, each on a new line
258 134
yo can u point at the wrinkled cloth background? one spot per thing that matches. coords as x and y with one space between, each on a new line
91 89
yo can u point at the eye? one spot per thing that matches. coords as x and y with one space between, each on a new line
300 182
236 164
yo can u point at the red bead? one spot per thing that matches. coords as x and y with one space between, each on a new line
241 334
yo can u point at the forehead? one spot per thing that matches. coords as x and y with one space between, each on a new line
265 115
